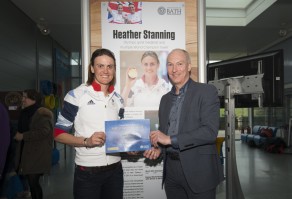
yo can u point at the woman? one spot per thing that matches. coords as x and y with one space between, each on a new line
35 131
148 90
118 16
134 17
97 174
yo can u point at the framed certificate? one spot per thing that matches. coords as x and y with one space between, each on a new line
127 135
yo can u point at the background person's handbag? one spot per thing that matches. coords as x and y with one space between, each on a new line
14 185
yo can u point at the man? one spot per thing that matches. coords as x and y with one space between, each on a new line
188 127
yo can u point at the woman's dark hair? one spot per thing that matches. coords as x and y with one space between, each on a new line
33 95
97 53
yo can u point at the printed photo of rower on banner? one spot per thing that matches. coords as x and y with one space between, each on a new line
124 12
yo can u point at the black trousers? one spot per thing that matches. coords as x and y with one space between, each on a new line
35 187
99 183
176 185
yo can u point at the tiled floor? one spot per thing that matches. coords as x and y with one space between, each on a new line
262 175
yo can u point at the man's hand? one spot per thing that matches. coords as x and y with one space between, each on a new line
152 153
157 137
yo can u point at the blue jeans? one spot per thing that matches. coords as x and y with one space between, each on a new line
98 184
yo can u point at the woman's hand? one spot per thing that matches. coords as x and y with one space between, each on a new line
131 76
18 136
133 152
97 139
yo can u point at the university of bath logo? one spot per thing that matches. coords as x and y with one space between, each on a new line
169 11
161 10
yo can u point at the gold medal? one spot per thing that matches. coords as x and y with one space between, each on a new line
132 73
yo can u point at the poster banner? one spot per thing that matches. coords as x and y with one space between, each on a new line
155 26
141 34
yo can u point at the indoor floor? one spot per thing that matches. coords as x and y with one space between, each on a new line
262 175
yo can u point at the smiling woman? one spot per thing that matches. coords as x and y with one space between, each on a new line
146 90
87 108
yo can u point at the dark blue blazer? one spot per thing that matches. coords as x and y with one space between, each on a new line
198 130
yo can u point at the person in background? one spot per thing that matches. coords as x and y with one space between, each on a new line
134 17
35 132
5 137
147 90
188 128
118 15
97 175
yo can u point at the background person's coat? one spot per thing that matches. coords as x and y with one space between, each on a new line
36 157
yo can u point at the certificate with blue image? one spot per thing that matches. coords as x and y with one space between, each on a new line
127 135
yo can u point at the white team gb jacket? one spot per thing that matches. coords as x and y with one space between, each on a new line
88 110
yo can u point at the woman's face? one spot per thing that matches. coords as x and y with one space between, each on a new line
120 9
132 9
103 69
150 66
26 102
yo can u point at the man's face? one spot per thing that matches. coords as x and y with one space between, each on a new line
178 68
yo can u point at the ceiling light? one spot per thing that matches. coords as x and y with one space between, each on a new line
282 32
43 26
